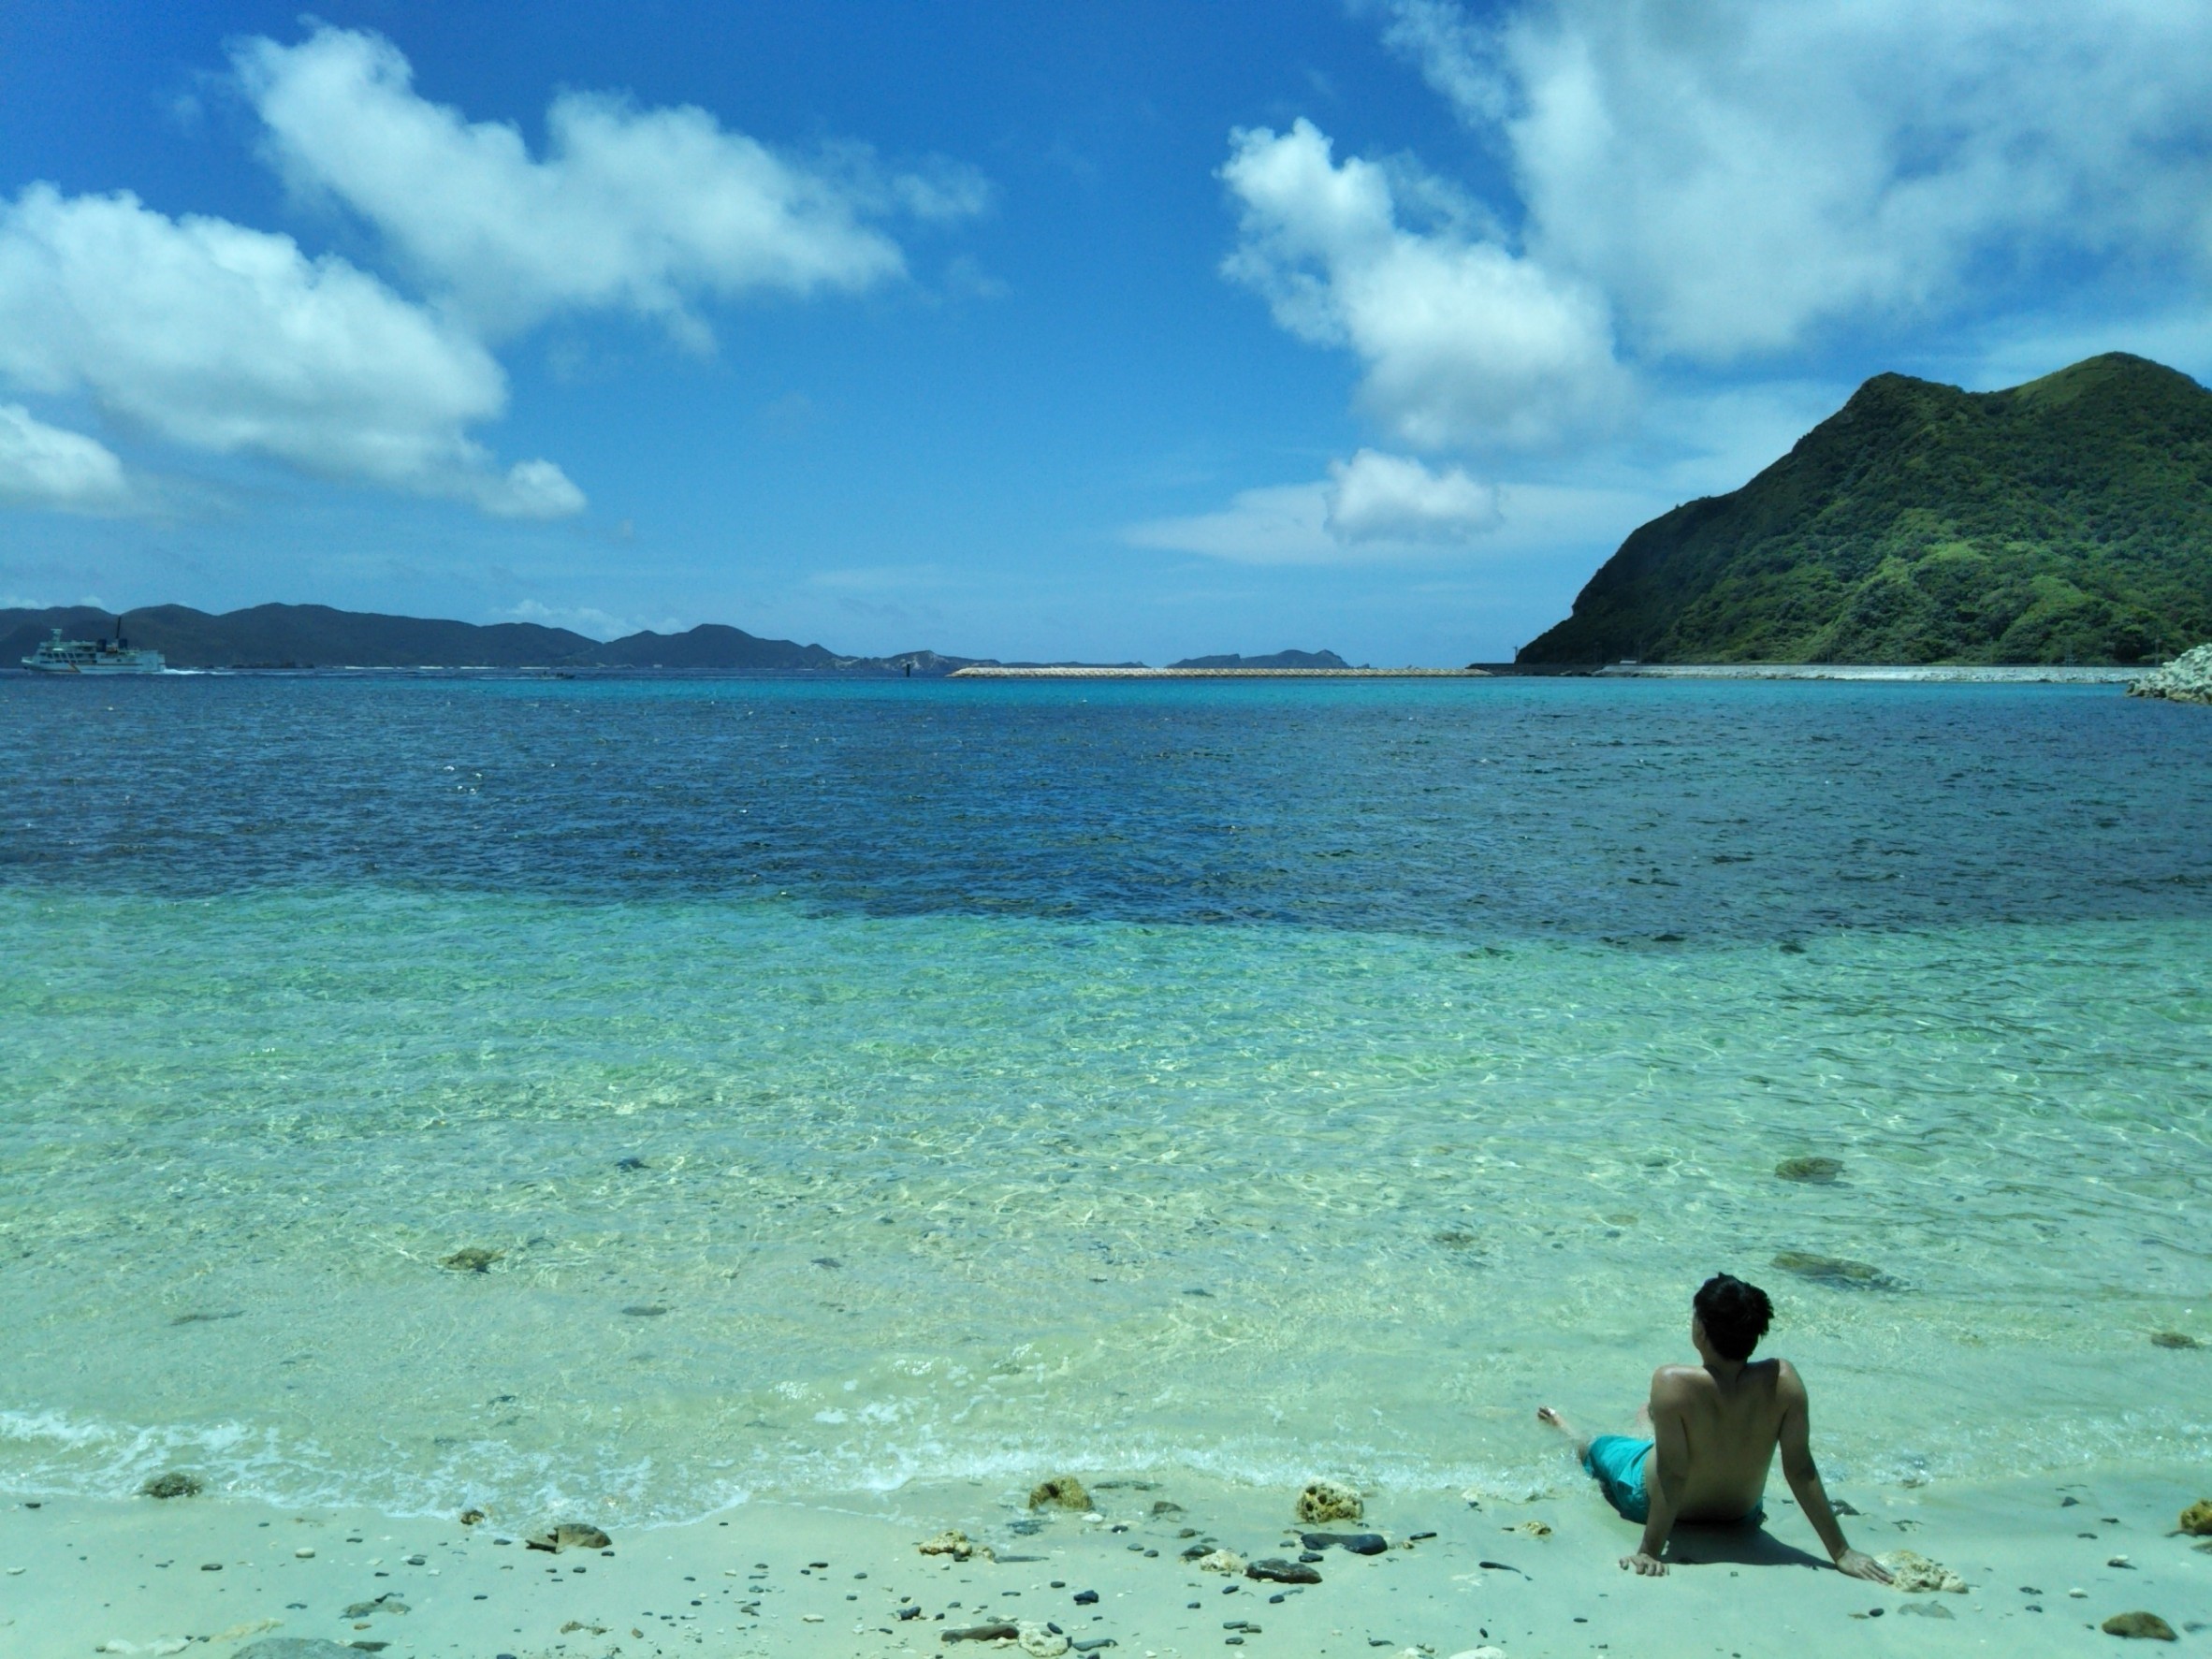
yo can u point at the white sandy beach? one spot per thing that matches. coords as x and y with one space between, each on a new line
776 1577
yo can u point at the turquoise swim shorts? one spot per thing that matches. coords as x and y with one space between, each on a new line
1618 1461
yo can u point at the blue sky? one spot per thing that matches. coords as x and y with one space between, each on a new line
1113 331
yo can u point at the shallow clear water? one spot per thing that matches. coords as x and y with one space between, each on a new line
1259 1079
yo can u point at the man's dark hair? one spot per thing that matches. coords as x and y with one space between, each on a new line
1734 1315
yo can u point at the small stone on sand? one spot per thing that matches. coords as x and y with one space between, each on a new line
175 1484
1822 1171
2173 1339
1839 1272
472 1259
570 1534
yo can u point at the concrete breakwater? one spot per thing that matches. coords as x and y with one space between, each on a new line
1078 671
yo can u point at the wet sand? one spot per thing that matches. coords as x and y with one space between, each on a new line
210 1573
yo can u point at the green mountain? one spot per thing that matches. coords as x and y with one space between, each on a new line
2069 520
316 636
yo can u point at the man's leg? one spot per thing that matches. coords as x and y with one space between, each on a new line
1552 1418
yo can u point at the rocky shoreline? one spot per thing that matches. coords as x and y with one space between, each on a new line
2186 680
1157 1566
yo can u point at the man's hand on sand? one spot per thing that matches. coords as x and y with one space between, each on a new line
1852 1563
1650 1566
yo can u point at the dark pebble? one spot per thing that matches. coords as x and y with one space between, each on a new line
1084 1598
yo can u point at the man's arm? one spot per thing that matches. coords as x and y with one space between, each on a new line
1671 1471
1803 1475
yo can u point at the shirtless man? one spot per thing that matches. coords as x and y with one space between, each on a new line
1714 1428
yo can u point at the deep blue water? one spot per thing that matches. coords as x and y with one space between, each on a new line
1581 808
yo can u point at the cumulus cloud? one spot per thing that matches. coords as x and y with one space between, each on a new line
644 210
43 466
1465 342
1736 175
230 339
1391 497
1372 507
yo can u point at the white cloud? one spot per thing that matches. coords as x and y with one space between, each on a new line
232 341
1374 507
530 489
586 620
1393 498
1465 342
638 210
1737 175
1288 524
43 466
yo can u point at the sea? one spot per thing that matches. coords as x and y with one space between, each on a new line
652 1093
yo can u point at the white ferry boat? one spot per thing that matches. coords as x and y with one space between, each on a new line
94 656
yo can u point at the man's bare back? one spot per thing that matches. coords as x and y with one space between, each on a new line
1714 1429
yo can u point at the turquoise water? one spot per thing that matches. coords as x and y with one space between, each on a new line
868 1083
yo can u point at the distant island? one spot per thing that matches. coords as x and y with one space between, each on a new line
2065 521
319 636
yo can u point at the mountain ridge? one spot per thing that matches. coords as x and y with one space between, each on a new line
2066 520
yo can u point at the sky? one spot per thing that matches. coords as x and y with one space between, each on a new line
1112 332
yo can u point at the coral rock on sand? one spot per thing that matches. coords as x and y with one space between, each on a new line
1329 1500
2173 1339
2148 1626
1062 1492
470 1517
2186 680
570 1534
1820 1170
1222 1561
2197 1518
1481 1653
175 1484
297 1646
1041 1641
952 1542
1912 1572
474 1260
